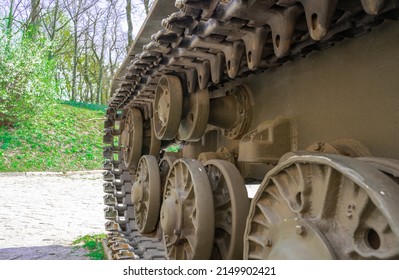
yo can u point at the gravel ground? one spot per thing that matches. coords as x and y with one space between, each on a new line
41 214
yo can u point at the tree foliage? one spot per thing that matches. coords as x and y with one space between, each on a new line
68 49
27 77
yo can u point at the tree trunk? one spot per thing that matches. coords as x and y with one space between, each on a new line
75 59
129 23
54 21
146 4
9 23
33 20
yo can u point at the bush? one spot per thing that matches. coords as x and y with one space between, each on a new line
27 78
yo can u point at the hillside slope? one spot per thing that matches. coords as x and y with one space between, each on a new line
66 137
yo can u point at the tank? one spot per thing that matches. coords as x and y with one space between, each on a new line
256 129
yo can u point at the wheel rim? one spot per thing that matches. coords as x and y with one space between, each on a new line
146 194
164 167
151 144
231 203
132 137
193 125
187 215
387 166
331 206
345 147
168 105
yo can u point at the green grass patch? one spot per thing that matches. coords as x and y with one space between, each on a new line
61 138
93 244
95 107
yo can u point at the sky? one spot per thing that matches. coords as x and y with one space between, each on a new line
138 17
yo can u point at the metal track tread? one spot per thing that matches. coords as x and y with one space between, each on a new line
208 43
123 241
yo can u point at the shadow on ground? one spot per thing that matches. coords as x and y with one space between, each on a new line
53 252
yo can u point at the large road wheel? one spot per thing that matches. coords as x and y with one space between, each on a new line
132 138
187 215
231 203
319 206
146 194
168 105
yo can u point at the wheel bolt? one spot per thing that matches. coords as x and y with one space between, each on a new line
300 230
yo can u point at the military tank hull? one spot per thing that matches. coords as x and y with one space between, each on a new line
256 130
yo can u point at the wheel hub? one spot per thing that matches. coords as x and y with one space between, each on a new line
297 239
137 194
171 216
163 108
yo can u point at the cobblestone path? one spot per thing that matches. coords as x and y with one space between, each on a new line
41 213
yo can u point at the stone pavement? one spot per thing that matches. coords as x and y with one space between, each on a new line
41 213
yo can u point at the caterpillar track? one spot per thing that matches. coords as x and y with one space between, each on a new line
283 133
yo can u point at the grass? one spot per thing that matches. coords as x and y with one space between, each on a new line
95 107
66 137
93 244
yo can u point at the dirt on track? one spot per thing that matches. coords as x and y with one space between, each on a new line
41 214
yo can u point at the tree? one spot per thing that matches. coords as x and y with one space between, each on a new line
147 5
85 41
26 78
34 18
75 9
129 23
